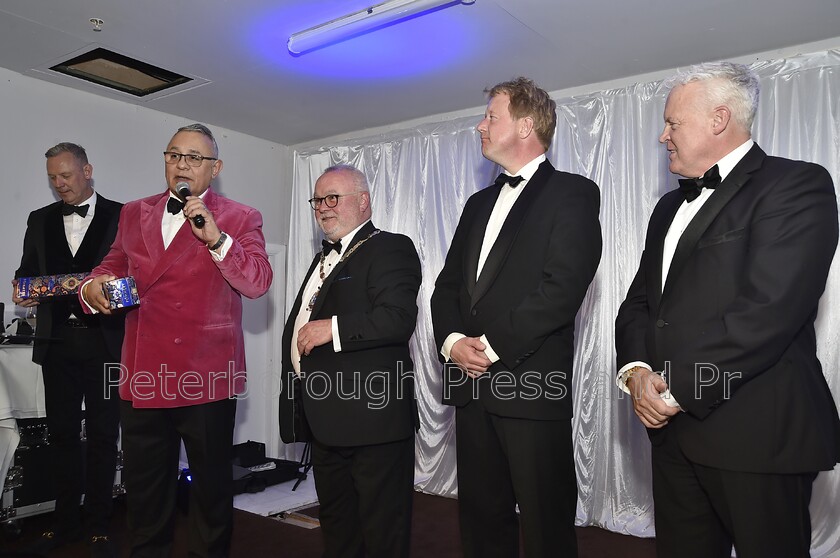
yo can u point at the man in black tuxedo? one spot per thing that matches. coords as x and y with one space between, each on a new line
74 349
503 310
348 376
723 306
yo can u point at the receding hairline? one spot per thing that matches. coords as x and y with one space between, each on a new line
203 130
359 178
75 150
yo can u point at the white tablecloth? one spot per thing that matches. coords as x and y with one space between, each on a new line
21 396
21 383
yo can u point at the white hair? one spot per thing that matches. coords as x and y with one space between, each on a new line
359 178
730 84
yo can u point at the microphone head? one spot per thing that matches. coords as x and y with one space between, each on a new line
184 191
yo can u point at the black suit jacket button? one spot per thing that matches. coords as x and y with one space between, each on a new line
474 312
661 323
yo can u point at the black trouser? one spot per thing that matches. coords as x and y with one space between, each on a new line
74 370
701 512
151 445
504 461
365 495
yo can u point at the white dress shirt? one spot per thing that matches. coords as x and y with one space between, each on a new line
682 218
313 285
172 223
504 203
76 226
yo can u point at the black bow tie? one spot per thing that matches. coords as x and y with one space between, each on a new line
174 206
330 246
690 187
68 209
508 179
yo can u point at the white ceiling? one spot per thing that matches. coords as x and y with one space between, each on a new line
432 64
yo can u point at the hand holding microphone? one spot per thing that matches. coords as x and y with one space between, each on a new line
211 235
184 191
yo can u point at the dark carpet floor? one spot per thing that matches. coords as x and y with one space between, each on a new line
434 535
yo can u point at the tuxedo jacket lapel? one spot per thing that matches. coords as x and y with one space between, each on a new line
660 223
55 239
363 233
92 242
299 299
476 237
725 192
150 224
287 330
507 234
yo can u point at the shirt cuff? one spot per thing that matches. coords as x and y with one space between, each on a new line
621 382
446 349
220 255
488 350
336 337
669 399
85 302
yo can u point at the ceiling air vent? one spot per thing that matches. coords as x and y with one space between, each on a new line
116 71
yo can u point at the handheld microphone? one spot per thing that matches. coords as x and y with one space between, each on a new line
184 191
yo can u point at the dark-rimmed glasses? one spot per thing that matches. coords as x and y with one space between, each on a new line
171 158
331 200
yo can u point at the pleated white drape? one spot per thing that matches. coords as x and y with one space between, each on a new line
420 179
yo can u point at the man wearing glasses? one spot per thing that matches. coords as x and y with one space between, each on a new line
183 359
348 376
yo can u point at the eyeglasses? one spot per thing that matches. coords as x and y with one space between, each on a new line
331 200
171 158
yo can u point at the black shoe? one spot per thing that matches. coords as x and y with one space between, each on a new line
46 543
101 547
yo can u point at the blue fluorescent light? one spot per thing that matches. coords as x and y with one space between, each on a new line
361 22
421 45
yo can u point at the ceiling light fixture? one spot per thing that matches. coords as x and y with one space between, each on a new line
117 71
363 21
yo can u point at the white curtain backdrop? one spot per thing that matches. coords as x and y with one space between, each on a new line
420 179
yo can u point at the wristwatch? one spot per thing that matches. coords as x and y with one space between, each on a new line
219 242
629 373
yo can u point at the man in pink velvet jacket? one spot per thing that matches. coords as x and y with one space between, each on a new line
183 358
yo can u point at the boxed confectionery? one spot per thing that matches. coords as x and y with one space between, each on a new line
49 285
122 292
